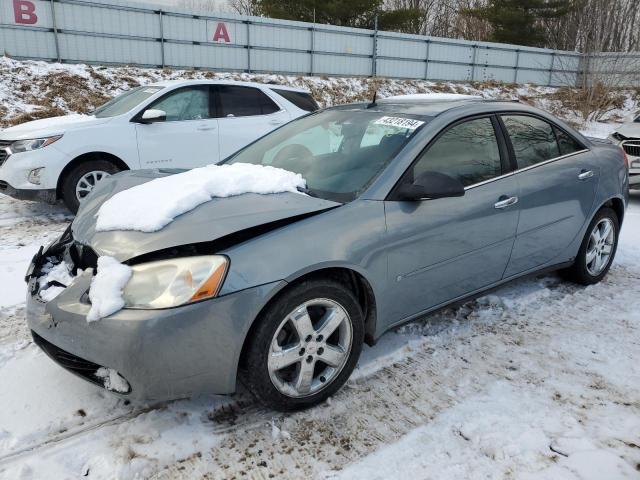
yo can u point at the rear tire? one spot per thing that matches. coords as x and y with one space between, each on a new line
82 178
597 250
285 360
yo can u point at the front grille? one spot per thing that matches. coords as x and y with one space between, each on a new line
3 153
69 361
632 148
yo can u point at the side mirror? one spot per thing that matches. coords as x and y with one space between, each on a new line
153 116
431 185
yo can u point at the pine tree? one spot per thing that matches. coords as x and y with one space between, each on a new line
346 13
519 21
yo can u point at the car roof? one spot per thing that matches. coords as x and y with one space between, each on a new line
176 83
430 105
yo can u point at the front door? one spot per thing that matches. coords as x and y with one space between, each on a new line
443 249
189 136
245 114
558 179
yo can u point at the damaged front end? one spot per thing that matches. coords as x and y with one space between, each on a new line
53 268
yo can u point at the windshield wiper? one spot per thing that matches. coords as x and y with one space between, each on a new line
307 191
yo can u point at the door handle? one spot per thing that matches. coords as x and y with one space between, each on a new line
276 122
204 129
584 174
505 202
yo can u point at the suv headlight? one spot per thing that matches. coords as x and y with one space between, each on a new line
178 281
32 144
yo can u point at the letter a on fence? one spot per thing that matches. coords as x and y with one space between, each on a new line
24 12
221 33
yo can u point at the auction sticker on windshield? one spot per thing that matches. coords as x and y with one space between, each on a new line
408 123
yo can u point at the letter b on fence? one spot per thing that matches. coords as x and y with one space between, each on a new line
24 12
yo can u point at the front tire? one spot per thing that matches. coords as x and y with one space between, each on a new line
597 250
81 180
305 346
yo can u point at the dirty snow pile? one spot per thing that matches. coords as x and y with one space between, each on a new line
106 288
151 206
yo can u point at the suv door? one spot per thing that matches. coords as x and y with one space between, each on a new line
189 136
558 178
245 114
443 249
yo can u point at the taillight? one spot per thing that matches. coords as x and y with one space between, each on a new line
626 159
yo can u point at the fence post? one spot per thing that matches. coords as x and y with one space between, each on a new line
161 20
473 62
55 30
375 47
426 61
248 23
311 46
553 57
517 65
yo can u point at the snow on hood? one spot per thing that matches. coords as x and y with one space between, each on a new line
153 205
49 126
209 221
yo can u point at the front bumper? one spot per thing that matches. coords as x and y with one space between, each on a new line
15 169
43 195
163 354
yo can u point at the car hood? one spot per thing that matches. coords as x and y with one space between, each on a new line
630 130
46 127
209 221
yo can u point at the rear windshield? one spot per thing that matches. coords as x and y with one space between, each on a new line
125 101
301 100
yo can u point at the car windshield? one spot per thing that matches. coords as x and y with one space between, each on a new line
338 152
125 101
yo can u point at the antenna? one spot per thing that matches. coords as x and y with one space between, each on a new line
373 102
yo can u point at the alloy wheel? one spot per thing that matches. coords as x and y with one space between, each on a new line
600 247
310 348
88 181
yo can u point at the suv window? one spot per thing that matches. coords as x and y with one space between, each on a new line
468 151
533 139
302 100
236 101
566 143
189 103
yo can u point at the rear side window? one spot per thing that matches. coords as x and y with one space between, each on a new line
533 140
236 101
566 143
302 100
468 151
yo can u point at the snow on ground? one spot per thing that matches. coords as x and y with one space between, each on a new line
150 206
539 380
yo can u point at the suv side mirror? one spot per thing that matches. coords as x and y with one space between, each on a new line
153 116
431 185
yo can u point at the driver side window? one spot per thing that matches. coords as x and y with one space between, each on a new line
190 103
468 152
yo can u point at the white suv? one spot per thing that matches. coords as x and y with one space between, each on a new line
628 137
172 124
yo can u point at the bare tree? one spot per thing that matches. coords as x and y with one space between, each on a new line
244 7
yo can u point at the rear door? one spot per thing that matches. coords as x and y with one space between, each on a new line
189 136
445 248
245 114
558 178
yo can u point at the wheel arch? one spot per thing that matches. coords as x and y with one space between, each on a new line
117 161
350 278
617 205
